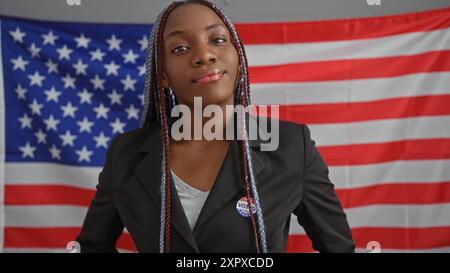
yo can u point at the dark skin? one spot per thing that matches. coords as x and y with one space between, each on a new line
203 44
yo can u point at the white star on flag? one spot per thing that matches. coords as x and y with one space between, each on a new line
17 35
40 135
25 121
101 140
130 57
36 79
68 138
64 52
55 152
34 50
117 126
114 43
143 43
19 63
97 55
132 112
141 70
69 110
111 68
115 97
51 123
51 67
98 82
85 125
82 41
20 92
27 150
85 96
35 107
52 94
128 83
80 67
102 111
69 82
84 154
49 38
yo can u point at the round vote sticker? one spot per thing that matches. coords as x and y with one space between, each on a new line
242 206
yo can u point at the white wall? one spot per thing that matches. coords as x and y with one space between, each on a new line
145 11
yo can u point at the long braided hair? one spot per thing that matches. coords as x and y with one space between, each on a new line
158 103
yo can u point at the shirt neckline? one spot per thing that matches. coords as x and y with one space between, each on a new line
187 186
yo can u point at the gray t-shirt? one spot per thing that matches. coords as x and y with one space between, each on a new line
191 198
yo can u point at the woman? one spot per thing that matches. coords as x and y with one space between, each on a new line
194 195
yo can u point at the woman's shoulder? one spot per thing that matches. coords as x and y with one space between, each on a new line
286 134
285 127
133 140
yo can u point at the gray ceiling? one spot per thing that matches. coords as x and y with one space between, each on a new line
145 11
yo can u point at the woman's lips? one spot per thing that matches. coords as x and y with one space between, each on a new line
210 78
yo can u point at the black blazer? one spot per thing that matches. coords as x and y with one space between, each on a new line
291 179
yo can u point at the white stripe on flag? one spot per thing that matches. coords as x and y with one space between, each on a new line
51 173
376 131
396 45
407 171
402 171
407 216
358 90
44 216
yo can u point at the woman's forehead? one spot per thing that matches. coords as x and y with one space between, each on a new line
192 17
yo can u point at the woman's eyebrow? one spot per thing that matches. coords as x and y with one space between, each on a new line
179 32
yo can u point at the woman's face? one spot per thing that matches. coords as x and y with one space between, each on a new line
197 43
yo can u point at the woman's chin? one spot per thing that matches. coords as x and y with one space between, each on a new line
217 100
214 96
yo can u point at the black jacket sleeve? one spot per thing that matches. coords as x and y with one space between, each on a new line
102 225
320 213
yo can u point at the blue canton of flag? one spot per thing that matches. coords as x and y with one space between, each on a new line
70 88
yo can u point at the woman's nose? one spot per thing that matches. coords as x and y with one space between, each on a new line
203 55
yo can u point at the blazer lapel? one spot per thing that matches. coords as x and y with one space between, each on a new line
149 173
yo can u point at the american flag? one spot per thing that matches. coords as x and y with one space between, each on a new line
374 91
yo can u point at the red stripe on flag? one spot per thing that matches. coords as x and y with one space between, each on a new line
352 69
398 193
51 237
389 238
429 105
395 194
342 29
47 195
417 149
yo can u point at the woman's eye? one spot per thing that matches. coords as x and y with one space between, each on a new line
219 39
176 50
